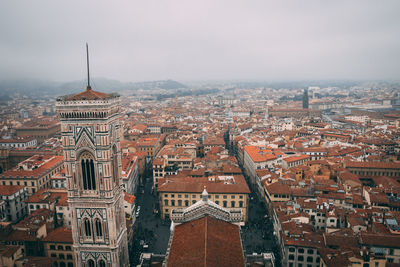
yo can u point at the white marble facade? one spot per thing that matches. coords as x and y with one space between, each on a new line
91 139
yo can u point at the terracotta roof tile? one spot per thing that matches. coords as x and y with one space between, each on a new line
206 242
8 190
377 165
258 154
380 240
89 94
196 185
59 235
35 172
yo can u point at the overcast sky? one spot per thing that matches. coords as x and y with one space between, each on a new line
203 39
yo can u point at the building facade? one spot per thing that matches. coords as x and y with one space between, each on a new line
33 173
14 205
40 130
91 133
230 194
58 245
20 143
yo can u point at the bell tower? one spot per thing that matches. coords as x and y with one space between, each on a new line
91 133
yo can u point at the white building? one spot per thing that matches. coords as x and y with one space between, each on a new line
283 125
130 173
21 143
59 180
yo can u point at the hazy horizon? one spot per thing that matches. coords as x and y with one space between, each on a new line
200 41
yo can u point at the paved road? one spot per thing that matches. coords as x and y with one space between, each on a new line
258 235
149 228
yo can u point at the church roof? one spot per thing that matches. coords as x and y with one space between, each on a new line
206 242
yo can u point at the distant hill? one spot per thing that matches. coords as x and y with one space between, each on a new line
167 85
39 88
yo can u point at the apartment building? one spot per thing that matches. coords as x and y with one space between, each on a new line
230 192
33 173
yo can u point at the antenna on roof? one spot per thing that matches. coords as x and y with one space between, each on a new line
87 63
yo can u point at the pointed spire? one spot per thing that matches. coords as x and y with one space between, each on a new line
87 63
204 195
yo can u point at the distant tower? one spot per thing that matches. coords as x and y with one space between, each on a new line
305 99
91 139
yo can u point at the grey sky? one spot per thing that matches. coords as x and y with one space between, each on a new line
207 39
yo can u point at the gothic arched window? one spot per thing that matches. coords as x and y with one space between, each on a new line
88 174
90 263
99 228
102 263
115 165
88 227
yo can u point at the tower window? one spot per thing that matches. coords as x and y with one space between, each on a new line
88 227
99 229
88 175
115 165
90 263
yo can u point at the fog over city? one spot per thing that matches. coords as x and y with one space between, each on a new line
200 40
217 133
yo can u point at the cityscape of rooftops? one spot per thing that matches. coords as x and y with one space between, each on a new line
199 133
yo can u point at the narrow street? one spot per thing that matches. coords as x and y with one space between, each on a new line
149 229
258 233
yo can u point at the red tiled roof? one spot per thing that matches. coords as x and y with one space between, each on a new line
337 135
296 158
129 198
21 235
39 124
206 242
8 251
34 172
228 168
35 220
8 190
348 176
214 142
88 94
59 235
196 185
388 241
147 141
258 155
278 188
46 195
375 165
312 240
